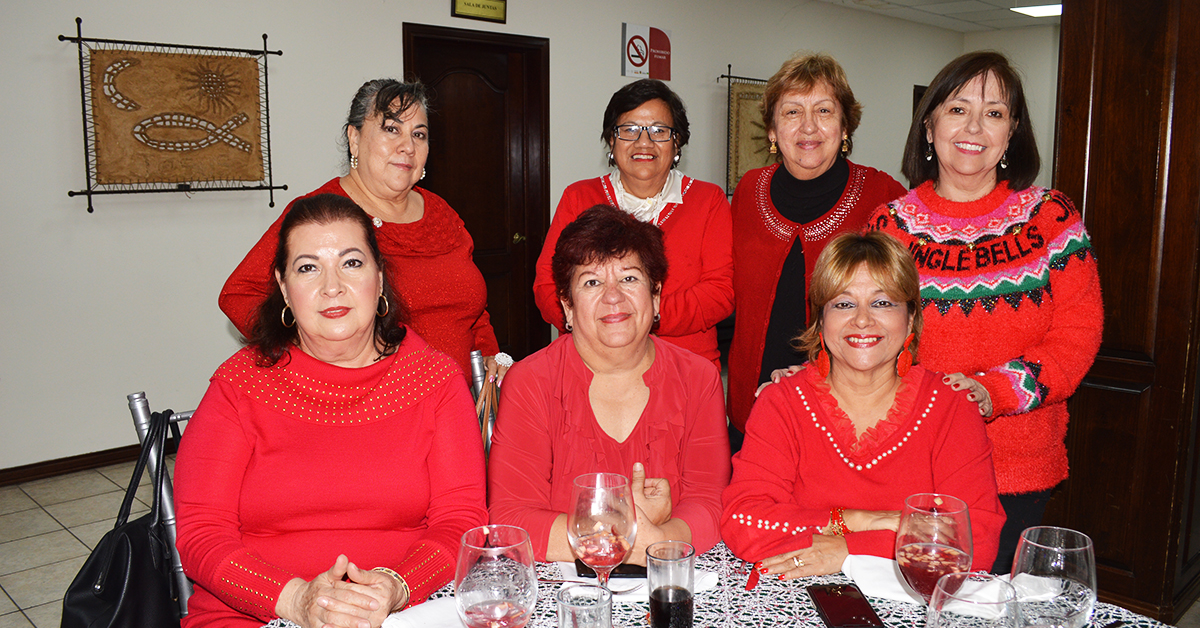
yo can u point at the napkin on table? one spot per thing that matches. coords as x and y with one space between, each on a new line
879 577
439 613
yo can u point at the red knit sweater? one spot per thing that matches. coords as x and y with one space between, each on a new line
283 468
801 459
1010 290
698 292
429 264
762 239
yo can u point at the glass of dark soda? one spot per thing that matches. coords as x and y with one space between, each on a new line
670 574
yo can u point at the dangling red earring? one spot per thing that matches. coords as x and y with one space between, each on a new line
905 361
822 359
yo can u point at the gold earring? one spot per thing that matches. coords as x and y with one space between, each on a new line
386 307
773 149
845 145
283 317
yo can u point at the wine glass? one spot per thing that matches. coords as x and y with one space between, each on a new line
934 539
1054 573
972 600
602 524
495 585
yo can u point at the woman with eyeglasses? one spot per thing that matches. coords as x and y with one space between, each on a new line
645 127
784 215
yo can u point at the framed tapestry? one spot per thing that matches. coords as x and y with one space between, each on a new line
748 147
172 118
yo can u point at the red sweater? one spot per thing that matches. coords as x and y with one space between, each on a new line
762 240
429 264
801 458
1010 290
698 292
284 468
546 436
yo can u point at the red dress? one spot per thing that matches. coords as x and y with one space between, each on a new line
429 264
762 239
801 458
546 436
1010 290
698 292
283 468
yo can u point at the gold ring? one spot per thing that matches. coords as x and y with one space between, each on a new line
796 561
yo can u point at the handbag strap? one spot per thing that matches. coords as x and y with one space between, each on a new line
156 434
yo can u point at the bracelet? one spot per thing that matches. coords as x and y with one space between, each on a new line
400 580
837 523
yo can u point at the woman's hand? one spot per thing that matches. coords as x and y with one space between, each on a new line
779 374
652 503
825 556
380 586
978 393
326 601
495 371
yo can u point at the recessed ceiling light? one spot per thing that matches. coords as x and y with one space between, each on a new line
1045 10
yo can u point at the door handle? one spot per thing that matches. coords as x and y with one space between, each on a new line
518 238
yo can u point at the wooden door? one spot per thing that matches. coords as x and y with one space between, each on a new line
1128 153
489 158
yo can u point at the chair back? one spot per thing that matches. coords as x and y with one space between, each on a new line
139 407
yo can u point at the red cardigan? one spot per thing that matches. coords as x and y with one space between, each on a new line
698 292
429 264
283 468
762 239
801 458
1010 290
546 436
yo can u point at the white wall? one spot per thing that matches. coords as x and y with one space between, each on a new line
98 305
1034 51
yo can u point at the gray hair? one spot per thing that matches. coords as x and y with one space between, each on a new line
376 97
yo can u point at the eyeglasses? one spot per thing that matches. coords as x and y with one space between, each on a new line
632 132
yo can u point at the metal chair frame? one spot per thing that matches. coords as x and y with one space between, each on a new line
139 407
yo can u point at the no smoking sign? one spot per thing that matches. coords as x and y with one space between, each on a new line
646 52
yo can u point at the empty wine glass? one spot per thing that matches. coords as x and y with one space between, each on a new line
972 600
495 584
602 524
1054 573
934 539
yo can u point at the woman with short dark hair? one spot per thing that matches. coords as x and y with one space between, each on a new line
645 128
608 397
1008 276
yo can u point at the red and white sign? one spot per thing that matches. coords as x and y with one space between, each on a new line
646 52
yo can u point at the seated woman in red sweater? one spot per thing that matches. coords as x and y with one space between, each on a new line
335 462
609 397
832 450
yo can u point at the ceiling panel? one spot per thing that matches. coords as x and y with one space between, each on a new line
964 16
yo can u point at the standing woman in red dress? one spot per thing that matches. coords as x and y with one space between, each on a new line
645 127
784 216
425 243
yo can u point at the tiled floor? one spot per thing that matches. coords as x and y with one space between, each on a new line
47 529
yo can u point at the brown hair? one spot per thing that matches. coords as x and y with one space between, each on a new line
801 74
604 233
1024 162
890 265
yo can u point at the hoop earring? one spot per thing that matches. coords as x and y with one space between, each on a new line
773 149
387 307
283 317
904 361
1004 160
845 145
354 162
657 317
569 327
929 152
822 359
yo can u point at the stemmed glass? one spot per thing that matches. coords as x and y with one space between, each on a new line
972 600
602 524
1054 573
934 539
495 584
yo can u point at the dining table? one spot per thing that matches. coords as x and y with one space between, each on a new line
772 602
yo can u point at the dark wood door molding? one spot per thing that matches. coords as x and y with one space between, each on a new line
1128 152
489 158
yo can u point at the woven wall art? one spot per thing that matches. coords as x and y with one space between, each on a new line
747 140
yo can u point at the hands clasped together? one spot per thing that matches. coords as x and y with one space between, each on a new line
342 597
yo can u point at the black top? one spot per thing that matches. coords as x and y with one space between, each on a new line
800 202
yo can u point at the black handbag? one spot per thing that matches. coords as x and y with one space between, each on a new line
127 582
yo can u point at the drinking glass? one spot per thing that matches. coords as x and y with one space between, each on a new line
934 539
584 606
671 574
602 524
972 600
1054 573
495 585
